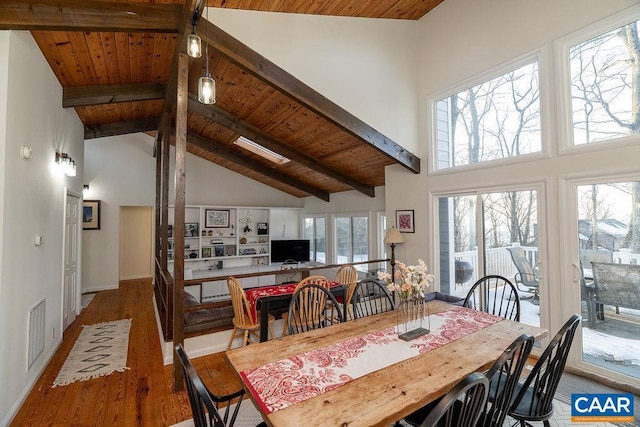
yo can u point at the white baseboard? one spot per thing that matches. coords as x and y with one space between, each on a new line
35 376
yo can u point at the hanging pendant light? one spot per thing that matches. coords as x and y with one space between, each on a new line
194 43
206 84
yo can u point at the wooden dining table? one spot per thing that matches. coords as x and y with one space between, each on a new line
329 377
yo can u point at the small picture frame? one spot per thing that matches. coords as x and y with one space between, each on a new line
191 229
91 215
404 221
216 218
206 252
263 228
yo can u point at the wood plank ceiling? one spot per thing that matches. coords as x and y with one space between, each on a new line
114 61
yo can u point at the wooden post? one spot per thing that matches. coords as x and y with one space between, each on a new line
179 215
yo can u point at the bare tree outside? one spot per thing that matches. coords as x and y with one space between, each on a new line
605 80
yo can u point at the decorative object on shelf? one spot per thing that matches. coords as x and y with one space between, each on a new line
91 215
218 250
206 252
243 240
210 233
204 232
411 282
216 218
245 221
230 250
191 229
263 228
404 221
193 254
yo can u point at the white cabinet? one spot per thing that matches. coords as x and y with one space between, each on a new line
222 237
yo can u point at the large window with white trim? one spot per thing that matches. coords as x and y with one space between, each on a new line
351 238
496 119
605 85
314 229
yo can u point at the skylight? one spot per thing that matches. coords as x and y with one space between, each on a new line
261 151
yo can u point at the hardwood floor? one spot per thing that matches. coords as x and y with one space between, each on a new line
140 396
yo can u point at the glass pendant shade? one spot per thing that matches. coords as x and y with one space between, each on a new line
194 45
207 89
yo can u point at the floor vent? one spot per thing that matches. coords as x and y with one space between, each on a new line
36 332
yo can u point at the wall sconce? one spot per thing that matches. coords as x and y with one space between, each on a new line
66 164
85 187
26 152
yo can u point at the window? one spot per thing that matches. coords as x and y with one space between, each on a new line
497 119
605 85
352 239
314 229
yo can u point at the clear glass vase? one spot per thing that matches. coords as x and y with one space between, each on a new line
412 318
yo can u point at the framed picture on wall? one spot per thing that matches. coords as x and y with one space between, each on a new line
91 215
404 221
216 218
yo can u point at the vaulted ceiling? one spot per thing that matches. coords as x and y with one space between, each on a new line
117 61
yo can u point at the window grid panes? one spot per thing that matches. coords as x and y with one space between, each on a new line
352 239
497 119
314 229
605 86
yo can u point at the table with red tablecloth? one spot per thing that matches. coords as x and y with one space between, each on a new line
267 298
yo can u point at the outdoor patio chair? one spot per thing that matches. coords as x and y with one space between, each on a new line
534 397
526 275
496 295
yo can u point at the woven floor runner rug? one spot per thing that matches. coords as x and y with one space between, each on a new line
100 350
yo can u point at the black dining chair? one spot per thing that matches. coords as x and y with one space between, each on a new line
371 297
312 306
496 295
462 406
534 398
503 377
205 406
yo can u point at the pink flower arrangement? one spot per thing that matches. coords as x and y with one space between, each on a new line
411 280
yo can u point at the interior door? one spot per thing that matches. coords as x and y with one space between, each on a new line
70 270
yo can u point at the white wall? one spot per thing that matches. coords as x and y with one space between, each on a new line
120 171
366 66
460 39
33 202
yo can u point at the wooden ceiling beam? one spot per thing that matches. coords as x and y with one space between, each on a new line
120 128
108 94
89 15
220 151
258 136
265 70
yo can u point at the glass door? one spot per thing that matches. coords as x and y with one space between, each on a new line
608 241
491 233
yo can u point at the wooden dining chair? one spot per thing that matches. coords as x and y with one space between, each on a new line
206 406
312 307
347 275
534 397
318 280
370 297
496 295
243 324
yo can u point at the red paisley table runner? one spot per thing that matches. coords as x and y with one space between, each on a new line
255 293
286 382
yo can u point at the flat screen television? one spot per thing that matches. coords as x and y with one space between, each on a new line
297 250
